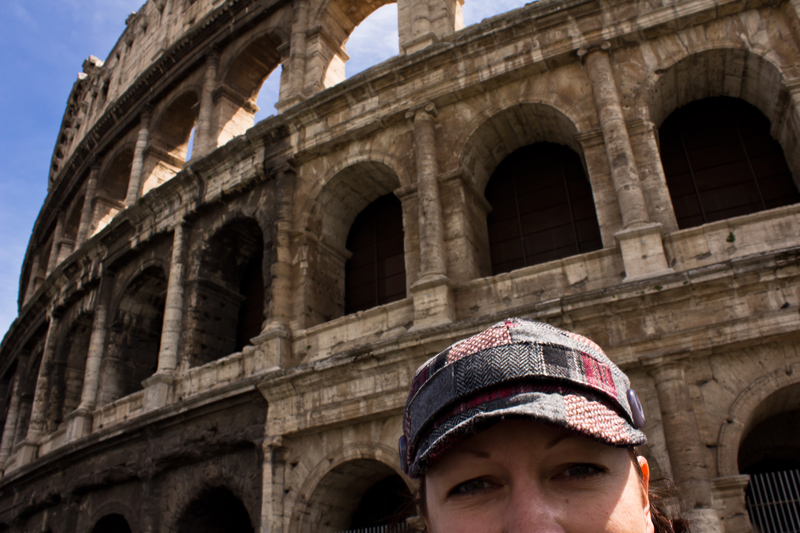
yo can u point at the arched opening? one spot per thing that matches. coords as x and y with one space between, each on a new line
69 363
6 393
216 510
134 336
112 523
375 273
268 95
720 161
112 189
356 495
770 453
71 226
331 217
542 208
28 385
227 299
238 101
327 55
474 12
168 148
372 41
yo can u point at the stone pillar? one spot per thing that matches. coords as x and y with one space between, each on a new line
684 445
422 23
276 344
272 485
294 68
10 428
640 240
433 291
38 418
204 139
137 165
88 207
55 247
729 500
32 280
157 386
81 422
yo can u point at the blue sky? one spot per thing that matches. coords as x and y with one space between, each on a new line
43 44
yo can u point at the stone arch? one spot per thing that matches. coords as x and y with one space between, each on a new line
72 223
33 350
210 477
112 523
332 212
493 135
243 75
747 410
227 298
170 133
216 509
113 508
332 24
726 71
134 335
67 369
112 187
325 501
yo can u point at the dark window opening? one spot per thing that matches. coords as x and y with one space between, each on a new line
542 208
720 161
217 510
387 503
251 310
113 523
376 272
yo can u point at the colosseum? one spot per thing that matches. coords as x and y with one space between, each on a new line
219 335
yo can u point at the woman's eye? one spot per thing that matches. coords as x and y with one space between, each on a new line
583 470
473 486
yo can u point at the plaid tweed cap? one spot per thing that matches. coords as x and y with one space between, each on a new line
517 368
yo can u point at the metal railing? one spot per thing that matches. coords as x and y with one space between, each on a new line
773 501
395 528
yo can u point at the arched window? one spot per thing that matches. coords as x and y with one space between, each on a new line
542 208
113 523
720 162
134 336
217 510
376 273
770 454
227 300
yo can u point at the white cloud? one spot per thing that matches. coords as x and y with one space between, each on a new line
477 10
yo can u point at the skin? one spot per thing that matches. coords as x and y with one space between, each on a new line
521 476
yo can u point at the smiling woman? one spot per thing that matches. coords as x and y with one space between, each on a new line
526 427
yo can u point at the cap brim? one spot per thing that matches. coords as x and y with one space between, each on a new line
589 417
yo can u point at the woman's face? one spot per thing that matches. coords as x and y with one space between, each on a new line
520 476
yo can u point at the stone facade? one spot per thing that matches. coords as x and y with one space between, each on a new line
133 395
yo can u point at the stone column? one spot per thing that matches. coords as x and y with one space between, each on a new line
55 247
32 286
10 428
88 207
433 292
158 385
684 445
729 499
272 485
204 141
137 165
640 240
38 419
422 23
294 68
81 422
277 335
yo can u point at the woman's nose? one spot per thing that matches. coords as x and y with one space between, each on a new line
531 510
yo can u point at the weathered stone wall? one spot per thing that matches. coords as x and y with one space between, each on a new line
126 377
